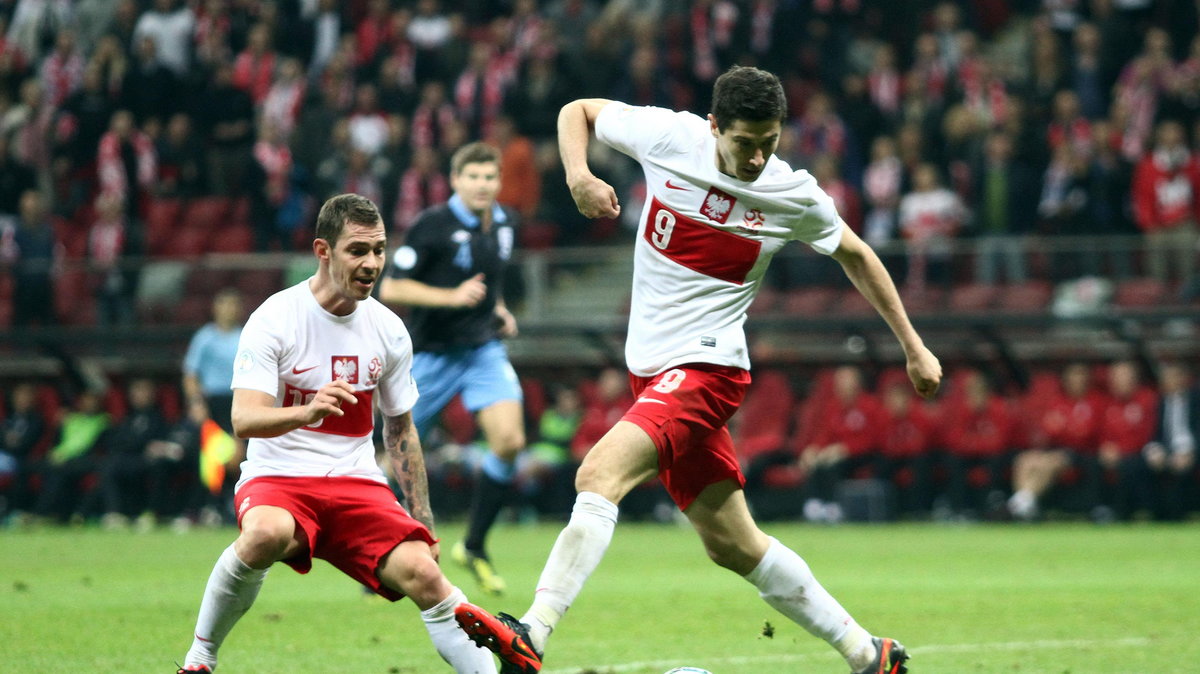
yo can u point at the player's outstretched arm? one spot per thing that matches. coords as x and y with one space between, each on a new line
417 294
594 197
408 465
868 274
255 415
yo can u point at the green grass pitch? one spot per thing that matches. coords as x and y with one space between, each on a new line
1055 598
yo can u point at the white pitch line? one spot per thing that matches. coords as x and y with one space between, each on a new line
1040 644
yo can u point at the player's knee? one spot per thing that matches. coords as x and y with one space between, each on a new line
264 540
508 444
726 554
422 580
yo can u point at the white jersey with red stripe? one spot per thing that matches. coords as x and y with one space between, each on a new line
290 348
704 239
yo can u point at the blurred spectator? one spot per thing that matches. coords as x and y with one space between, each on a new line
282 103
126 163
124 23
1166 200
884 82
254 67
432 116
819 131
20 434
644 82
847 440
181 160
977 437
575 21
150 90
74 456
536 97
1143 80
845 197
605 401
327 26
906 457
125 466
170 24
225 115
37 253
29 124
270 187
82 121
112 62
1087 77
62 70
1126 427
368 124
881 191
112 242
1066 429
521 187
173 488
431 31
16 178
544 473
421 186
208 364
1170 457
93 20
930 218
35 24
212 35
365 174
1069 125
1063 208
1006 190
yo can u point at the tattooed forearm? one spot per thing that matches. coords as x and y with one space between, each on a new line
408 465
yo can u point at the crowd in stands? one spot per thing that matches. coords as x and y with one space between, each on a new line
929 122
1087 440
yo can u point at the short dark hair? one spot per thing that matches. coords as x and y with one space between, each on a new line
343 208
748 94
474 153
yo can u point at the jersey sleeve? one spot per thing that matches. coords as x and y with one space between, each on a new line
397 388
637 130
820 226
411 259
256 366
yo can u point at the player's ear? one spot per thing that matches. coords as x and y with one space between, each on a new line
712 125
321 249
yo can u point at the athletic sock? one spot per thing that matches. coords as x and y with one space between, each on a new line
230 592
786 583
491 490
451 642
576 554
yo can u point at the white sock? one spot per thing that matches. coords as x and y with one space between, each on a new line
785 582
451 642
575 555
231 590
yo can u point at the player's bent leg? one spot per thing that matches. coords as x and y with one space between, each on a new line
730 536
783 579
411 570
269 534
624 458
503 430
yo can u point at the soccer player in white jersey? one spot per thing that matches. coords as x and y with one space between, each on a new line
719 206
312 363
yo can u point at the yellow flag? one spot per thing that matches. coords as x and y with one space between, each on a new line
216 449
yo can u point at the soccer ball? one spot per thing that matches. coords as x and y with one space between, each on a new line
688 670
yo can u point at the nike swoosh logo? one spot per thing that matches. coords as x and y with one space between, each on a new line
676 187
651 400
296 370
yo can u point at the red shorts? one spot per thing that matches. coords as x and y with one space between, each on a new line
684 410
350 522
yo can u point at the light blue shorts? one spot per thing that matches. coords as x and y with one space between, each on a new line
481 374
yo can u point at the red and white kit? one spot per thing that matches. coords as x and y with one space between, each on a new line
705 239
704 242
290 348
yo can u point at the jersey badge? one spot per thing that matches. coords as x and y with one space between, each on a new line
374 369
346 368
752 221
244 362
717 205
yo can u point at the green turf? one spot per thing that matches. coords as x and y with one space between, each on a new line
1058 598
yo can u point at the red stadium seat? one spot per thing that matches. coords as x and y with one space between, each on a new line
186 242
162 219
74 298
458 422
232 238
1031 297
211 214
813 301
764 418
194 310
538 235
1141 292
923 301
852 303
973 297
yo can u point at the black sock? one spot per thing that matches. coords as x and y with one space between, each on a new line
489 498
